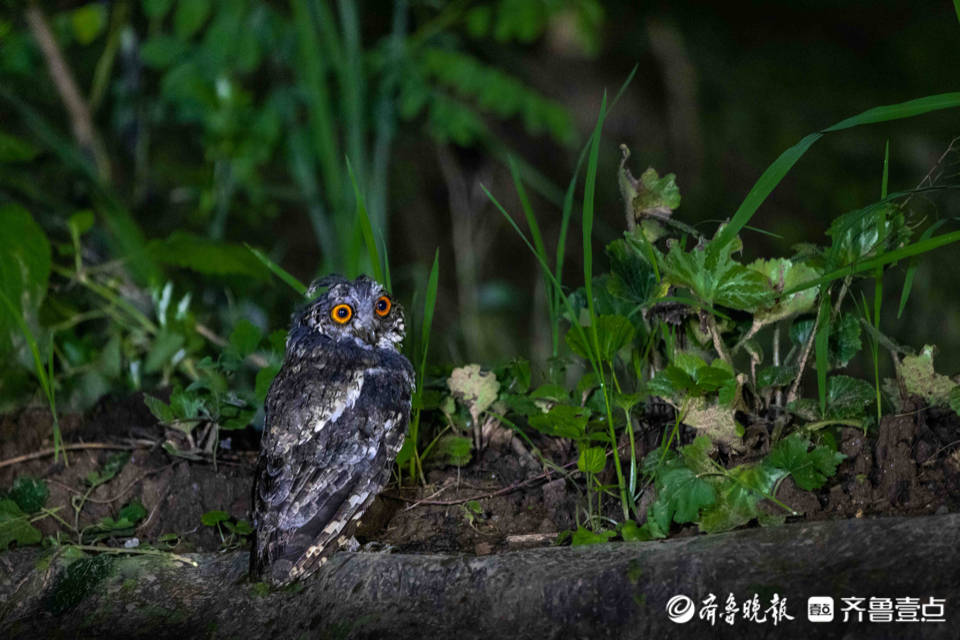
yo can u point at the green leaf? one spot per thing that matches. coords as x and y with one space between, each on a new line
582 537
631 275
809 468
670 382
953 399
243 528
562 421
848 397
162 51
681 492
776 376
278 271
209 257
160 409
630 532
165 347
782 165
132 513
738 496
452 450
722 281
29 494
212 518
920 378
592 459
614 332
15 526
24 266
245 337
88 22
783 274
189 17
263 381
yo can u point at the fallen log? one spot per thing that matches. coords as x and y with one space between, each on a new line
616 590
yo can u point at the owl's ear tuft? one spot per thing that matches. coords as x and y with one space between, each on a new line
325 283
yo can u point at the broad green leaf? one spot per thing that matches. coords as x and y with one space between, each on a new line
24 266
29 494
631 275
670 382
582 537
630 532
263 381
475 388
211 518
613 333
132 513
920 378
783 274
452 450
592 459
776 376
689 362
156 8
161 51
166 345
15 526
864 233
809 468
682 493
562 421
209 257
245 337
738 496
160 409
722 281
848 397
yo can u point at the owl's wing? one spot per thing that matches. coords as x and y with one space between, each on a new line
332 435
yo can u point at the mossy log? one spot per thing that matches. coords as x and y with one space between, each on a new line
617 590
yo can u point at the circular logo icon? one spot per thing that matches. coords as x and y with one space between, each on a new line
680 609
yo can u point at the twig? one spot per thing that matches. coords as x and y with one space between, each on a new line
80 120
139 444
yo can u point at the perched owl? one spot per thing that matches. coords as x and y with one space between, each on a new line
335 418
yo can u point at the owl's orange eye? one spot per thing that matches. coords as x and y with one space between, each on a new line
341 313
382 306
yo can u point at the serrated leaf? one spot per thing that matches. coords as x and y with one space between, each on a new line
562 421
725 282
848 397
475 388
845 340
592 459
738 496
631 276
15 526
29 493
211 518
671 382
160 409
776 376
582 537
920 378
809 468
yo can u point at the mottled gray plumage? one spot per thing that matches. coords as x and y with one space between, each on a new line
335 419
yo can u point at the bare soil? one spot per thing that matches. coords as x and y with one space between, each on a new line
504 501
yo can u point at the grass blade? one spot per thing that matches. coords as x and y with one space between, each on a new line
912 267
917 248
782 165
278 271
821 347
366 229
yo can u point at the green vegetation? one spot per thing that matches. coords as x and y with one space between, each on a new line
142 238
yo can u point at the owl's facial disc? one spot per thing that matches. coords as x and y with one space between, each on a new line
361 312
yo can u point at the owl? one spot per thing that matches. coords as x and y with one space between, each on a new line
336 414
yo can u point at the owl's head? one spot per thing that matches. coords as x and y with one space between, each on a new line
360 311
